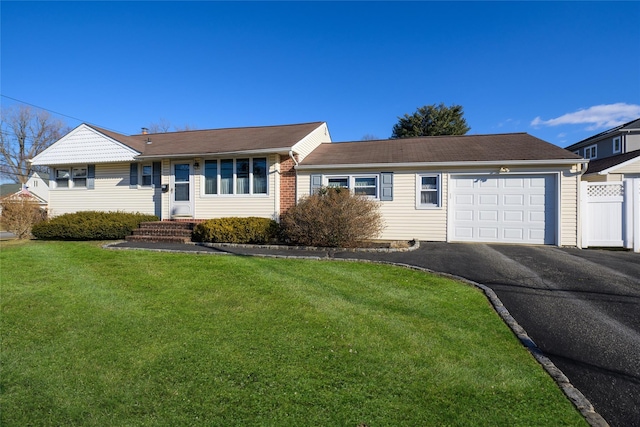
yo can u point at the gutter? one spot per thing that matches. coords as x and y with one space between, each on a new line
224 153
295 162
447 164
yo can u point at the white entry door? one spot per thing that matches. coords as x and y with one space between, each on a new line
181 190
504 209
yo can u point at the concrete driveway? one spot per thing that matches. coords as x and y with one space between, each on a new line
581 307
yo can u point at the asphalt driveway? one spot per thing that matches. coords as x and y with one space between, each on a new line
581 307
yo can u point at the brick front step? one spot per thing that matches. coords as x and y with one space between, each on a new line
162 231
158 239
168 225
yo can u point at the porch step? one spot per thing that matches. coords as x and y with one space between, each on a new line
158 239
162 232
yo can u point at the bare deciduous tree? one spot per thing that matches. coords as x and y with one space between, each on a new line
163 126
25 132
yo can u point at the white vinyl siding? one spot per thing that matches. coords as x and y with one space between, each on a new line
307 144
111 193
402 219
84 145
569 186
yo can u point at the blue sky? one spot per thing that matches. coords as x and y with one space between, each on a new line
559 71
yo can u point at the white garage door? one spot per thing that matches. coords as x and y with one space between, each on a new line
509 209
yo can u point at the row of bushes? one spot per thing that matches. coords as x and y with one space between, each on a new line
332 217
90 225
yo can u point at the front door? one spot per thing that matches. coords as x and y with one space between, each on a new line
181 190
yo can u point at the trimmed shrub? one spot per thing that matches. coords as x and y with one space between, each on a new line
90 225
332 217
252 230
20 214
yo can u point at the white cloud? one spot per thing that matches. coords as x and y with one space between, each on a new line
598 116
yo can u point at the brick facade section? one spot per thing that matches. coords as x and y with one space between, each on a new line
287 183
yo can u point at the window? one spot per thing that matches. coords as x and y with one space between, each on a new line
617 145
338 182
147 175
62 178
242 176
428 191
239 176
591 152
210 177
366 185
226 176
79 177
260 176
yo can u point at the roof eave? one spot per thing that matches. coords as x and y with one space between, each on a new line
280 150
547 162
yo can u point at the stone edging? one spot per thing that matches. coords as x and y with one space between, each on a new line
415 244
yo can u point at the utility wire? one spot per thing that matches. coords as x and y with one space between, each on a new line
60 114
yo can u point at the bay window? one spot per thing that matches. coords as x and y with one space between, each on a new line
235 176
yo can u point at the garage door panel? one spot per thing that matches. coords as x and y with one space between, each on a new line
510 209
513 233
487 183
464 199
464 233
488 232
514 183
513 199
464 215
488 199
513 216
488 215
538 217
538 182
537 200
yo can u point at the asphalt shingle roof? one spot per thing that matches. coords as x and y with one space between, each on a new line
214 141
599 165
467 148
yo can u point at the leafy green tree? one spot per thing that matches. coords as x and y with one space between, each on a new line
432 120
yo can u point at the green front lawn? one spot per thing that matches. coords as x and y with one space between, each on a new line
129 338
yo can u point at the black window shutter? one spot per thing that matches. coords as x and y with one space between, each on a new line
157 174
91 177
133 175
386 186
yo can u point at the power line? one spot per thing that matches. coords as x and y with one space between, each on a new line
42 108
60 114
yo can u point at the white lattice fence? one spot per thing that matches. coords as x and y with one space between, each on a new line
611 214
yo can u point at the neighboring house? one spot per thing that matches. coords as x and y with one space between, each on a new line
610 191
179 175
614 155
511 188
38 185
22 195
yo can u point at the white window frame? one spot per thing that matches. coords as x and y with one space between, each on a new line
617 140
351 182
235 178
71 177
142 175
437 190
591 152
